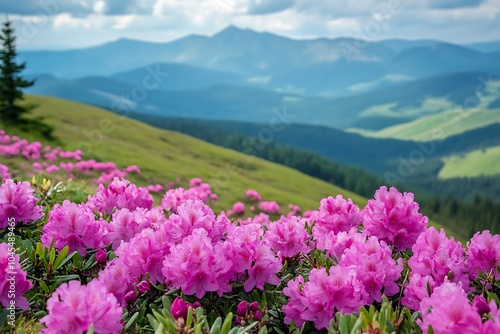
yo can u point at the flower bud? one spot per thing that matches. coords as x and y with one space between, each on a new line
179 308
257 316
101 256
143 286
130 297
254 306
481 305
242 308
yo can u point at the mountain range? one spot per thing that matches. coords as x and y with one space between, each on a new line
353 101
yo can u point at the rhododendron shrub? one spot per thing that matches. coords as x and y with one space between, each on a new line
13 283
323 295
394 218
483 254
435 259
335 215
74 225
17 204
120 194
73 308
114 263
288 236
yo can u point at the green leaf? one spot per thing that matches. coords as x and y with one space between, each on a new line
44 287
226 325
216 326
189 318
52 255
65 278
131 321
62 254
263 330
91 329
67 259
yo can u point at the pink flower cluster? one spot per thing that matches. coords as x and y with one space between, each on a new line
335 215
374 266
323 295
394 218
483 254
448 310
17 203
270 207
435 259
73 308
13 283
44 159
253 195
197 266
120 194
4 172
238 209
288 236
199 190
74 225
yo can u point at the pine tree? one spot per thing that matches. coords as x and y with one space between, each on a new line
11 82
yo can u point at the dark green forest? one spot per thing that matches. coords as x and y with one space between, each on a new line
435 197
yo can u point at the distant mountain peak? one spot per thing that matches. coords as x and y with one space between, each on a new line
233 30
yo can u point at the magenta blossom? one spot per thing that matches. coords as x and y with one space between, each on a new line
73 308
448 311
394 218
288 236
334 215
483 254
17 204
12 278
74 225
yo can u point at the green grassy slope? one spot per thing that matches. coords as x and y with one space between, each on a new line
164 155
440 125
475 163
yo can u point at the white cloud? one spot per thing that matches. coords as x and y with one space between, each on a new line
97 21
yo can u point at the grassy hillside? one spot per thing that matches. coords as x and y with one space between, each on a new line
475 163
164 155
440 125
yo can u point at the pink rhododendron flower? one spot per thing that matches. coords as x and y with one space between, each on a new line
4 172
334 215
294 308
436 256
253 195
449 312
418 288
125 224
116 279
74 225
197 266
120 194
483 254
288 236
196 214
252 255
374 266
323 295
18 204
12 277
238 208
336 244
73 308
145 252
176 197
394 218
270 207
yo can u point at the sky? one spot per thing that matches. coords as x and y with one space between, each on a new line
60 24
